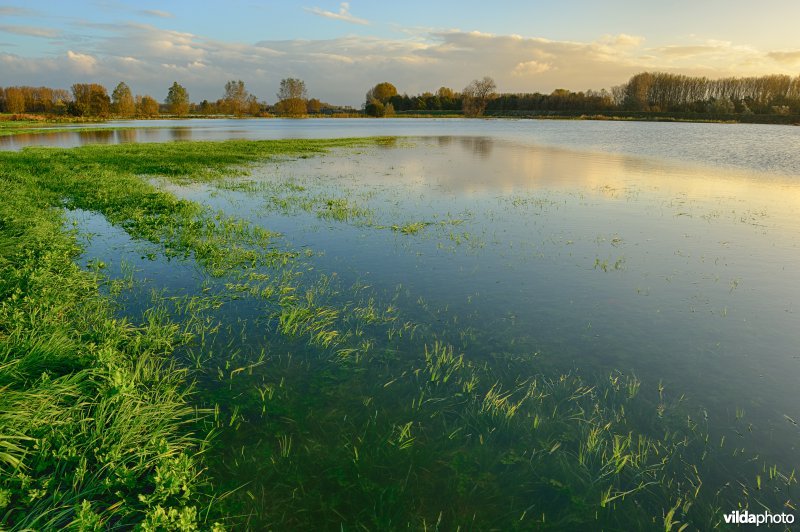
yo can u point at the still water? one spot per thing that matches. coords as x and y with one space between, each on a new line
753 146
664 251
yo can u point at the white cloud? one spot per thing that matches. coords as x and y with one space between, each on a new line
82 62
343 14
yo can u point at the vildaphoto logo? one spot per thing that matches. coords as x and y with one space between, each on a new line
764 518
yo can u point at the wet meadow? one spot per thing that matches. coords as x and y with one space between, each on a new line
420 332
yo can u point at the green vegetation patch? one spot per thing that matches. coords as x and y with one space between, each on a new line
109 180
93 414
96 428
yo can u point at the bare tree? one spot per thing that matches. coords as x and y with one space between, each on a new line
292 88
476 96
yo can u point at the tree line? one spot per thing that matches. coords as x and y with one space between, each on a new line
93 100
647 92
663 92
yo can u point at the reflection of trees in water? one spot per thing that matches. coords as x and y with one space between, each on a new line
101 136
444 140
126 136
180 133
480 146
152 133
27 139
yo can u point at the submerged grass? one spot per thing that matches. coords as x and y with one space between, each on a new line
95 417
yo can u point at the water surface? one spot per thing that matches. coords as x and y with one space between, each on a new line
751 146
664 251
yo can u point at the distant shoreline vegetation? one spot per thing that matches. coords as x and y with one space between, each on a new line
649 96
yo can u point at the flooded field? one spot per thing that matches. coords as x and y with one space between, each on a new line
480 332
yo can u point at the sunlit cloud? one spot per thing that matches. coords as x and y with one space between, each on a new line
789 57
82 62
688 51
622 40
31 31
343 14
340 70
531 67
707 48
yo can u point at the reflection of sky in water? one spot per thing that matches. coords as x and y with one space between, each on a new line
699 289
682 274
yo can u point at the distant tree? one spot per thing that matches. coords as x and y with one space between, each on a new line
253 107
15 100
122 100
720 106
448 99
378 97
292 96
177 100
100 103
206 108
476 96
292 88
90 99
314 106
383 92
637 92
291 107
236 97
375 108
446 92
146 106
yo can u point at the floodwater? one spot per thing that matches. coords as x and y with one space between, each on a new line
664 251
753 146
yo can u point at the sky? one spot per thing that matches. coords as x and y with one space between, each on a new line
341 49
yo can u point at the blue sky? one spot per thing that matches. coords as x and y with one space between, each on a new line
341 49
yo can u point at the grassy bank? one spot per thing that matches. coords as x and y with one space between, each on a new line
350 413
93 412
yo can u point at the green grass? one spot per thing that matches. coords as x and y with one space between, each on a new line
17 124
94 414
95 417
